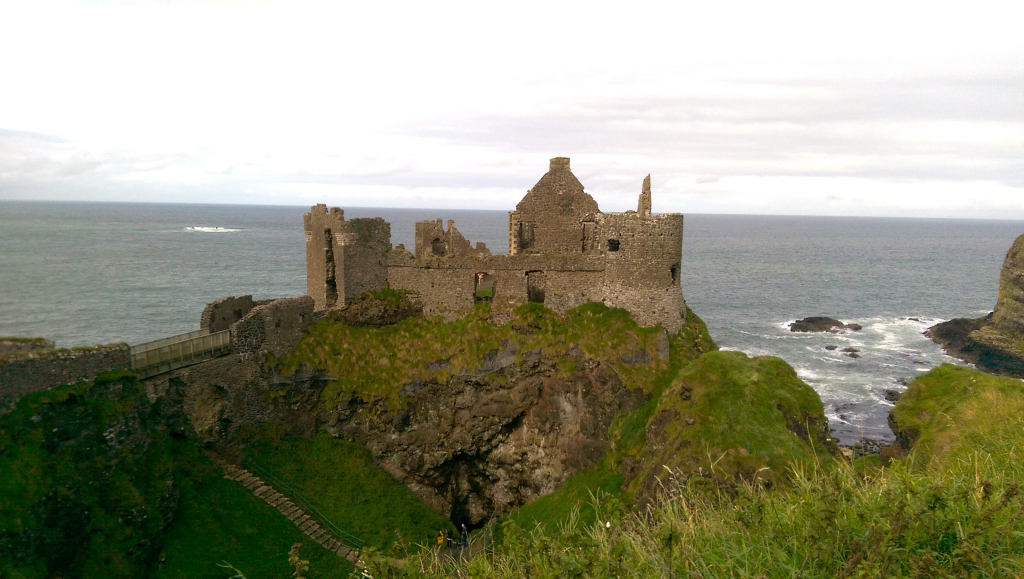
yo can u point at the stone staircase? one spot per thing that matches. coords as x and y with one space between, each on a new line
306 523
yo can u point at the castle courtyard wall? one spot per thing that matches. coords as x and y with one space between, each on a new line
24 373
218 315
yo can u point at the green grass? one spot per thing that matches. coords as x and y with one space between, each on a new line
572 498
952 508
84 482
693 340
377 362
354 493
953 412
220 520
727 416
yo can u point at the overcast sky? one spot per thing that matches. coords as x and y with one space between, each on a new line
826 108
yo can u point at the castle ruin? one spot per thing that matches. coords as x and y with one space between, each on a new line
562 252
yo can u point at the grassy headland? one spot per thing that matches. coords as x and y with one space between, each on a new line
378 362
951 508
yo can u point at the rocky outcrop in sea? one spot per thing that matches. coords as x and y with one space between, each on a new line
994 343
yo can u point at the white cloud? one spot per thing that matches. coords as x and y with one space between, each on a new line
896 109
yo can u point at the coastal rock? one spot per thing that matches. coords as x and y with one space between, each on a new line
994 343
470 441
822 324
850 350
831 347
470 446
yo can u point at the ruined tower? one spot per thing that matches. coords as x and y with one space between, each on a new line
550 218
643 207
344 258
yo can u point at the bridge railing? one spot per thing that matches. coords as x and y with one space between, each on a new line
166 354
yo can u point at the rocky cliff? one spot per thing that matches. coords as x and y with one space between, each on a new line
87 486
995 343
476 418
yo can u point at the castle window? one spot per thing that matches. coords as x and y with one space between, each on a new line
330 275
535 287
613 245
437 247
588 236
526 235
483 287
674 271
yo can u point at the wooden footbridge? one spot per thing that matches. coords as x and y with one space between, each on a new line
164 355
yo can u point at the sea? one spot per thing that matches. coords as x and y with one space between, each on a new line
88 273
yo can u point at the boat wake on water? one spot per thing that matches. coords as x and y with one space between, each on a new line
210 229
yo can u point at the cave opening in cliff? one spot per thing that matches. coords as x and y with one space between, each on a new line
331 280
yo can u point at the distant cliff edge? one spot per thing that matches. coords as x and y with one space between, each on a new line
995 343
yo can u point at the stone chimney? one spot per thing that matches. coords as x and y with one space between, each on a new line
559 164
644 206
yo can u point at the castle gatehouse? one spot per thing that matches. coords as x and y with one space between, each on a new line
562 252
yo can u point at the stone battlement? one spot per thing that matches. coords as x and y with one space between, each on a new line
562 252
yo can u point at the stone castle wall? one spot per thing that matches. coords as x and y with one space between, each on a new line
23 373
563 252
364 245
275 326
344 258
552 213
9 345
219 315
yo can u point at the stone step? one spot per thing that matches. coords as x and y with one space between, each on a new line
307 524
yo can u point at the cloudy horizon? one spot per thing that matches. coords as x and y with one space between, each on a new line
913 110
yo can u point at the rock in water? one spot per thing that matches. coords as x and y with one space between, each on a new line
995 343
822 324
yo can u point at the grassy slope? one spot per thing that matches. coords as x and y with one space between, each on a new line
729 416
576 496
220 520
84 476
952 413
958 516
380 361
354 493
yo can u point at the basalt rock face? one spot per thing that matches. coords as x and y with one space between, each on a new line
482 444
994 343
473 446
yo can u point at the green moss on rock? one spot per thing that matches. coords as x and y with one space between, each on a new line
86 486
376 362
729 418
953 412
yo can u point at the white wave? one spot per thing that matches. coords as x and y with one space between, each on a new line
806 373
211 229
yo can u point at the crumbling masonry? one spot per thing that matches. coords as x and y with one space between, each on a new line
562 251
